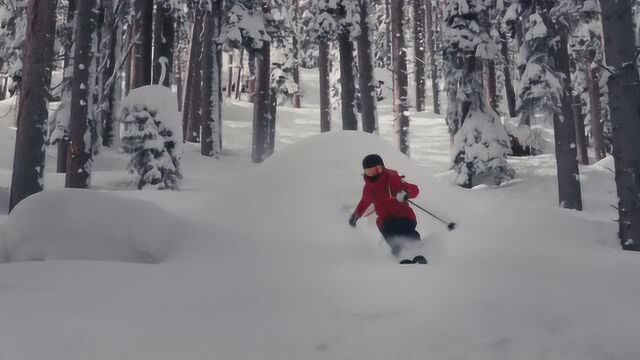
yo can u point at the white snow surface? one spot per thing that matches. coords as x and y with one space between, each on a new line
261 263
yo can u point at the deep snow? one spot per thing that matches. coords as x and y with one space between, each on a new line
267 267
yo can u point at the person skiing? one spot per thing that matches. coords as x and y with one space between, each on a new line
389 193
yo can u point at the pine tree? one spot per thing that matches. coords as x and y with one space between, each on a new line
29 157
419 48
400 78
368 106
480 144
211 135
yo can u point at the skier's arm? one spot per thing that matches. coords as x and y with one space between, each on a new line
364 203
411 189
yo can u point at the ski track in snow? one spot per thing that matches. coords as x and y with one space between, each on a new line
267 267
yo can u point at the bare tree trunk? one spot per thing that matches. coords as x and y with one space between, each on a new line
239 76
107 99
271 128
581 138
565 135
29 157
251 86
296 56
597 134
347 82
163 45
195 106
141 57
431 48
419 47
211 84
400 78
506 70
128 80
325 98
193 67
491 85
67 75
624 102
80 155
230 80
261 107
365 63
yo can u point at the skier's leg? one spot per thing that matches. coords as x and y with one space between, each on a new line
390 231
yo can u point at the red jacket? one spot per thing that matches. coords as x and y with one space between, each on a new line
382 193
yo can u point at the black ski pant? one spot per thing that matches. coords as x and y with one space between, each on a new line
397 232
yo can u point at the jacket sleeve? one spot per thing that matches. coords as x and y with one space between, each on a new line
397 182
364 203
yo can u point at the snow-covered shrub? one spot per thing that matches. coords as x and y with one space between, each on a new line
150 131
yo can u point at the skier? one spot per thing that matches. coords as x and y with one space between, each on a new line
388 192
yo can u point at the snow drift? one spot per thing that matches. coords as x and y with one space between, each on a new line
87 225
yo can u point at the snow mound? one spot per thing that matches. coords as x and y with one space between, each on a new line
87 225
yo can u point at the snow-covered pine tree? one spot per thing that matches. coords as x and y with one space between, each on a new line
481 143
419 48
546 81
624 87
29 156
13 24
151 133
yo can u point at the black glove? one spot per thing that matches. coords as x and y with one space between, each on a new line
353 219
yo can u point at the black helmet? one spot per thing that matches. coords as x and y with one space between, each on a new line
372 160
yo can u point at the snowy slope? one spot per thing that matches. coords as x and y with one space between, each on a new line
266 266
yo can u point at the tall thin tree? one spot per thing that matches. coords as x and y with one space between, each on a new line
141 56
163 44
419 48
400 77
211 136
368 106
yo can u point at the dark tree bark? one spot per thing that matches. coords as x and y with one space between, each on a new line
419 47
110 33
195 104
296 57
597 133
261 107
347 82
325 98
141 57
80 155
624 102
400 78
163 45
271 128
431 48
365 63
581 138
239 76
506 70
230 80
67 73
491 85
565 134
193 68
211 84
29 157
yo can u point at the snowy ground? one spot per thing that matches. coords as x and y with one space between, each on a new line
264 266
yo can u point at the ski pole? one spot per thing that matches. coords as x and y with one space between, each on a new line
450 225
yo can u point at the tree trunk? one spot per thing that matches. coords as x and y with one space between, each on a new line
325 98
271 128
506 70
347 82
163 45
624 102
365 63
141 57
239 76
597 134
195 87
261 107
435 87
192 68
108 99
79 156
492 98
569 191
581 138
29 156
67 76
211 85
419 47
400 78
127 68
251 86
230 80
296 56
